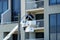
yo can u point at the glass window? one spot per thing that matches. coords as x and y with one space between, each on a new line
39 16
58 26
26 35
39 35
52 2
58 1
5 5
15 36
52 36
58 23
5 34
15 9
52 23
0 9
58 36
54 26
0 6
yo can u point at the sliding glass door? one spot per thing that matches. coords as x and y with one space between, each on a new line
15 6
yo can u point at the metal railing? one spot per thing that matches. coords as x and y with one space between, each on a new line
34 5
36 23
40 23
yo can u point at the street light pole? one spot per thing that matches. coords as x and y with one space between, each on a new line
19 20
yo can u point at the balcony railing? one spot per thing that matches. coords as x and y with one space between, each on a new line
40 23
36 39
36 23
34 5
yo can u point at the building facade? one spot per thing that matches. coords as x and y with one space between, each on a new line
9 18
40 19
51 21
35 31
9 10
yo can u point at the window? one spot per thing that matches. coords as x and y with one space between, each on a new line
39 35
53 2
26 35
54 26
39 16
39 23
58 23
14 37
53 23
15 7
5 34
58 1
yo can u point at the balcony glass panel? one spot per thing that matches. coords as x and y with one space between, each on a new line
34 5
40 23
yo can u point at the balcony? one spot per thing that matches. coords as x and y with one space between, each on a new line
34 5
36 23
36 39
39 23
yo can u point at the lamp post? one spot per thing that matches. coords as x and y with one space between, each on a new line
19 19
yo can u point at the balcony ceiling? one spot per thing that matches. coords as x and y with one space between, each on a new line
35 10
39 30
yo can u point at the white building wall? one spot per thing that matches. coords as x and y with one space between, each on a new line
49 10
6 28
1 35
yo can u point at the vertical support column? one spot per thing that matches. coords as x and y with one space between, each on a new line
22 14
9 4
